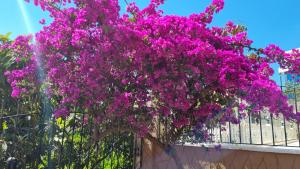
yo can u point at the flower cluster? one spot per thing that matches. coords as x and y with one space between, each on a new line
132 68
290 61
22 77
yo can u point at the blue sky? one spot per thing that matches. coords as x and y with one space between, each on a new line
268 21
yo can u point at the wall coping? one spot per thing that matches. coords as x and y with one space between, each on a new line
248 147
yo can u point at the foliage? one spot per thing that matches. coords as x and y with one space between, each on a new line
15 132
36 140
5 63
124 71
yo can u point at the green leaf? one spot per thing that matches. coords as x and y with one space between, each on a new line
5 38
4 125
60 122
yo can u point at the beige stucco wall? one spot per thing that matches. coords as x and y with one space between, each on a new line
208 158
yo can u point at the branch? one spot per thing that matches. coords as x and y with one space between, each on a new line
126 2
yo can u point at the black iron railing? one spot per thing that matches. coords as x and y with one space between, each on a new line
265 129
38 140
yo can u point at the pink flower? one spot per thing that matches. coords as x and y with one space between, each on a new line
42 21
62 112
242 107
18 59
16 92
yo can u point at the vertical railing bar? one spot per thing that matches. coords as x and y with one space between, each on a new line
129 135
250 130
47 111
104 143
2 105
298 128
220 126
2 109
240 131
118 154
34 161
129 149
296 109
158 128
97 154
166 130
124 147
284 123
159 134
41 132
211 135
90 123
62 144
48 119
230 136
285 133
272 126
17 118
50 136
72 142
141 153
81 138
134 151
111 154
260 127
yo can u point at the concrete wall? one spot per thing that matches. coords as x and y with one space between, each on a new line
193 157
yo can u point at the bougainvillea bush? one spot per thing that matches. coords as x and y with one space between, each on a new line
126 70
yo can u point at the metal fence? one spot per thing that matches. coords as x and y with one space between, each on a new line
35 139
265 128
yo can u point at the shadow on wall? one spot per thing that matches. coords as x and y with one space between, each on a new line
203 158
